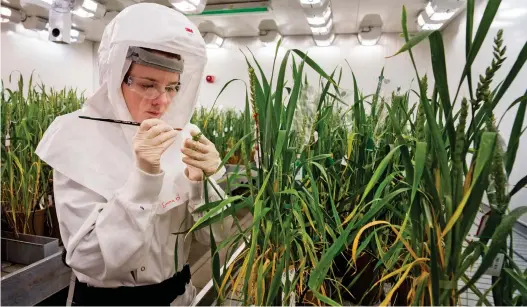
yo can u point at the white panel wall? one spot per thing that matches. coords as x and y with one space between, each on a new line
54 65
511 18
366 61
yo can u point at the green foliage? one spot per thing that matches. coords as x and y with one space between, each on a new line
399 183
26 113
349 191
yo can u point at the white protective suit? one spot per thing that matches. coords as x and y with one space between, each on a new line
116 221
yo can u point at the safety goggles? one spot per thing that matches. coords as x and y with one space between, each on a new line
149 89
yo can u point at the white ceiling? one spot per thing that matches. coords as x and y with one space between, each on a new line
287 14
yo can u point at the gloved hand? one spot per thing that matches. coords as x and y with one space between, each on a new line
200 156
150 142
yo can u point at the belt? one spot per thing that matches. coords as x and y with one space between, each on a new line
161 294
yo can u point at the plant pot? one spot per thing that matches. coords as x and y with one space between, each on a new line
34 224
26 249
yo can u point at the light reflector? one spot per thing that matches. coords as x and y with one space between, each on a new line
213 41
369 36
189 6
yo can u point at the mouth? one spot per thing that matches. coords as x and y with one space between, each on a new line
154 114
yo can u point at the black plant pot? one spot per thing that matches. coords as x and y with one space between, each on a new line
358 279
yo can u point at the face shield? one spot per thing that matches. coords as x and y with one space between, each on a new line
127 40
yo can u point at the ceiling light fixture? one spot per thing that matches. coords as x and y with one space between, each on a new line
318 19
369 36
6 12
83 13
270 38
13 15
313 3
425 23
35 23
90 9
189 6
213 40
432 27
437 15
90 5
79 38
326 29
42 3
324 40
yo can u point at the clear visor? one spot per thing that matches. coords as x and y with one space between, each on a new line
150 89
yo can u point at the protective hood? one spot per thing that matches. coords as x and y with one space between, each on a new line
157 27
99 155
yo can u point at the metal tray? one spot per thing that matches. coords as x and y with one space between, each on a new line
27 249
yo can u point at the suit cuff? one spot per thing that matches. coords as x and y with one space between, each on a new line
143 187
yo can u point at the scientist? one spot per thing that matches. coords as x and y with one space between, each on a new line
121 191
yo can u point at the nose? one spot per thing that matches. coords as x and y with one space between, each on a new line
161 99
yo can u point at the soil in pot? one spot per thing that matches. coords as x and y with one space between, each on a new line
400 298
358 279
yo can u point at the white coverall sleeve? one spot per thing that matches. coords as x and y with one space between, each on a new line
222 228
104 238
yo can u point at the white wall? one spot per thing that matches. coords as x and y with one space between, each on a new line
366 61
511 18
55 65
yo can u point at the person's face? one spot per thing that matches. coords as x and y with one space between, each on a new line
144 79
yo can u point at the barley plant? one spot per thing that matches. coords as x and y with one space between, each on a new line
26 114
357 199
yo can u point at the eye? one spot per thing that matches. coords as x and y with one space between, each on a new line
173 88
147 86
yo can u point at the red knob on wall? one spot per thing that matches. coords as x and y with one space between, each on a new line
210 79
